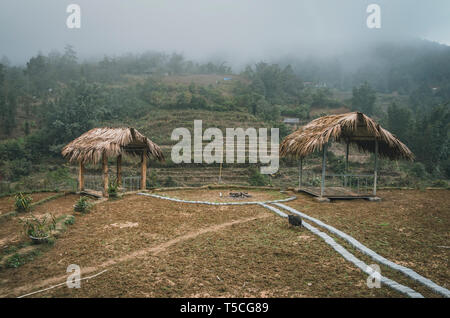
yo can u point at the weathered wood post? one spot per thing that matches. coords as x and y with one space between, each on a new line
300 176
375 172
143 170
346 164
119 171
81 176
105 174
324 159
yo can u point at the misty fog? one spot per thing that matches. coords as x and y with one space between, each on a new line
236 31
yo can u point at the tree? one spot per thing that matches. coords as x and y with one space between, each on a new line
8 103
364 99
176 63
399 122
75 112
430 142
38 73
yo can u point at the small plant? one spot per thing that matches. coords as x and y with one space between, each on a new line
256 178
82 205
22 202
113 187
70 220
316 181
14 261
39 230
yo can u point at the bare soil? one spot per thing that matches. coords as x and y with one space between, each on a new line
11 230
158 248
7 203
409 227
223 195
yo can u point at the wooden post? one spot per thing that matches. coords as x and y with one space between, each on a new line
220 173
105 174
143 170
300 177
346 164
81 177
324 160
375 172
119 171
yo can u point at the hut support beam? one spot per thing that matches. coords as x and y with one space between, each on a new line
300 177
375 170
119 171
105 174
324 162
143 170
81 176
346 163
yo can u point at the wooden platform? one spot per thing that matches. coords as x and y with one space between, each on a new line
335 193
93 193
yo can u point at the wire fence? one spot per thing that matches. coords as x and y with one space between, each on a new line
360 184
68 184
95 182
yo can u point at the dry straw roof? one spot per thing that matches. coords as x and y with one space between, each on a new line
90 146
355 127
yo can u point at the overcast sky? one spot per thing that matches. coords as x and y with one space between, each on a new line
228 29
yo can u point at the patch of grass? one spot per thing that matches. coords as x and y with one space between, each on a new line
9 250
16 260
70 220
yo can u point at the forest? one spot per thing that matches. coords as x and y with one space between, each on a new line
56 97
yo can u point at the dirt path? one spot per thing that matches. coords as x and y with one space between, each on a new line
154 250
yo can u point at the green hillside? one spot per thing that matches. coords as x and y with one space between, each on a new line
54 99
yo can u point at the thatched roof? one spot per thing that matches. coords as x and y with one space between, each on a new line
355 127
90 146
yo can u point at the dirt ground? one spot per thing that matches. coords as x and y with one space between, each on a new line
223 195
158 248
7 203
11 230
409 227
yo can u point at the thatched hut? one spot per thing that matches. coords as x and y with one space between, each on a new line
350 128
99 144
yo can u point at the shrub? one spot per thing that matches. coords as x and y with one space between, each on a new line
169 182
14 169
70 220
440 184
39 229
256 178
418 170
335 163
113 187
82 205
152 181
22 202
